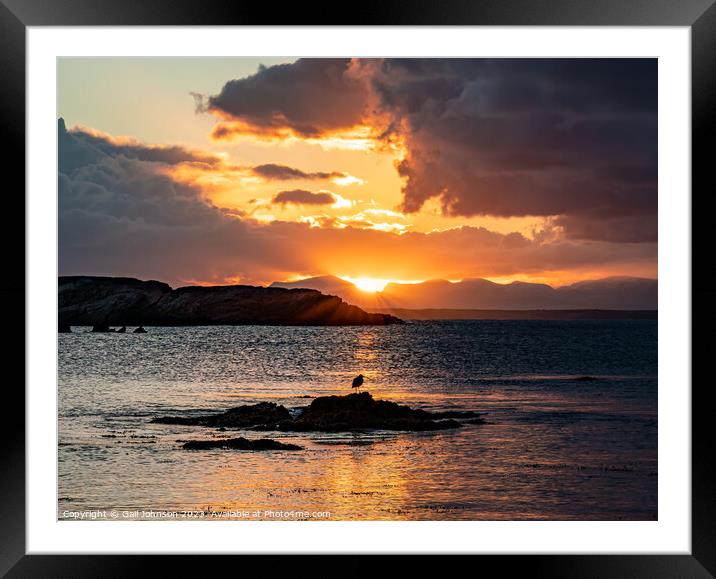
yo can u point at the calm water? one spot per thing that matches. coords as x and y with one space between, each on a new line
555 448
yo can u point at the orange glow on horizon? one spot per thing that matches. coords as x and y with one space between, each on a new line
401 245
369 284
374 284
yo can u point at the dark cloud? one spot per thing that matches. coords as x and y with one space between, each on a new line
618 229
309 97
121 214
82 147
274 172
303 197
568 138
573 138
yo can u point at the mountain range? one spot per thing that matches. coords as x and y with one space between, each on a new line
612 293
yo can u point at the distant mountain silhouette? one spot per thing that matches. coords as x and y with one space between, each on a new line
334 286
329 284
612 293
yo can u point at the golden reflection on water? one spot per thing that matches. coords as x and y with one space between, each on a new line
556 450
369 482
364 351
345 476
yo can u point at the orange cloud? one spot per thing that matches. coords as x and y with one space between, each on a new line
130 210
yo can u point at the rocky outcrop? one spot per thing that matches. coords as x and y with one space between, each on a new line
262 414
331 414
239 444
362 412
105 301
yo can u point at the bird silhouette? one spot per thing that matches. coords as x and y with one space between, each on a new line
358 381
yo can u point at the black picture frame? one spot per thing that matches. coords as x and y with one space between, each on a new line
17 15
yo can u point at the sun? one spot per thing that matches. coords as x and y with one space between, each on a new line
369 284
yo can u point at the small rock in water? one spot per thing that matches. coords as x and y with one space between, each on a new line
263 413
102 329
140 330
240 443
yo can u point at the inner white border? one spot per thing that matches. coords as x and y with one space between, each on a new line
670 534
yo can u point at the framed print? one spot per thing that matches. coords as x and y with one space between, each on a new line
417 283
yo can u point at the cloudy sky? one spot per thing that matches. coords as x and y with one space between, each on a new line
258 170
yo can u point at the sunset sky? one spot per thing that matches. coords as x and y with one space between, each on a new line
233 170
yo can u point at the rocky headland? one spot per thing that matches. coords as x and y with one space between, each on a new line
110 301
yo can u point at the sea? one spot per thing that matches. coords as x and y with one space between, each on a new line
554 446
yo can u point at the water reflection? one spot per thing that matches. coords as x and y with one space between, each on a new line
554 448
